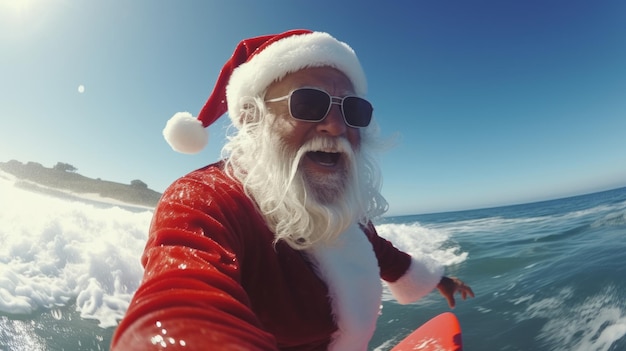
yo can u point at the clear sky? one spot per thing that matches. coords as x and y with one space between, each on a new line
490 102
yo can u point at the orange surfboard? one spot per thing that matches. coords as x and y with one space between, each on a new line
441 333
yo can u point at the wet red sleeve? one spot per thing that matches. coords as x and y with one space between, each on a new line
191 296
392 262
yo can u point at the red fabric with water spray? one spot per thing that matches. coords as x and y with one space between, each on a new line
214 280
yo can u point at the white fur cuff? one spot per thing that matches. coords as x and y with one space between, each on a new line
418 281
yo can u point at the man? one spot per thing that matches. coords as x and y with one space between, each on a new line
273 248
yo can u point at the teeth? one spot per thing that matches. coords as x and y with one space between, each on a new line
325 158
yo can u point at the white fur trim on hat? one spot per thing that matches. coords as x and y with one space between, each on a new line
185 133
289 55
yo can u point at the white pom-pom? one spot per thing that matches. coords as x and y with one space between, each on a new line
185 133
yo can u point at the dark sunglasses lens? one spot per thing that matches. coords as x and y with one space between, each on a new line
309 104
357 111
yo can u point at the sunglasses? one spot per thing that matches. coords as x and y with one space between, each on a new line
313 105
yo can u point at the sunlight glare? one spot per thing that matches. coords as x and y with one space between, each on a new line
27 19
18 7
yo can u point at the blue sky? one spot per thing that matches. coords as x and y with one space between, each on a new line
490 102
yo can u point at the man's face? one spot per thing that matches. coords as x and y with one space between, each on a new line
322 169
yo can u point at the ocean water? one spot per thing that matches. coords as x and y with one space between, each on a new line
547 276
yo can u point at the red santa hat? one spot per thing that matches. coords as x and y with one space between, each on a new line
255 64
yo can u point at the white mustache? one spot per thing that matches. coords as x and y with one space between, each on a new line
323 144
326 144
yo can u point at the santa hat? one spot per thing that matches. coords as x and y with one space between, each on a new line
255 64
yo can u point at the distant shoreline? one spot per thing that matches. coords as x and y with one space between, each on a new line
59 182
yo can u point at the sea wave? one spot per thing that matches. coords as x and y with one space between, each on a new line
595 323
422 241
614 219
56 252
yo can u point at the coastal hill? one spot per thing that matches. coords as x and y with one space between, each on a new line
63 179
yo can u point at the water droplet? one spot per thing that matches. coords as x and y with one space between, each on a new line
157 339
56 314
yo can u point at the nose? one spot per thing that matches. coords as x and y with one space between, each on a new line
333 124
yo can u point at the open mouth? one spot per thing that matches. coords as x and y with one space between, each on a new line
327 159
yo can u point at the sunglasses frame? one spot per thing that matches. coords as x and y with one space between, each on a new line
334 100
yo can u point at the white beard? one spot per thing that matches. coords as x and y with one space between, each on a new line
327 188
301 207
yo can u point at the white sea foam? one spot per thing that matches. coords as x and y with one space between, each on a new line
421 241
593 324
56 251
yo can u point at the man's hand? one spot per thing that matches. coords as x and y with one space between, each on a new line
448 286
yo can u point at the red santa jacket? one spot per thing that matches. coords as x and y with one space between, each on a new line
214 279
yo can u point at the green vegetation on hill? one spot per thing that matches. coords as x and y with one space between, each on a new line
63 177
